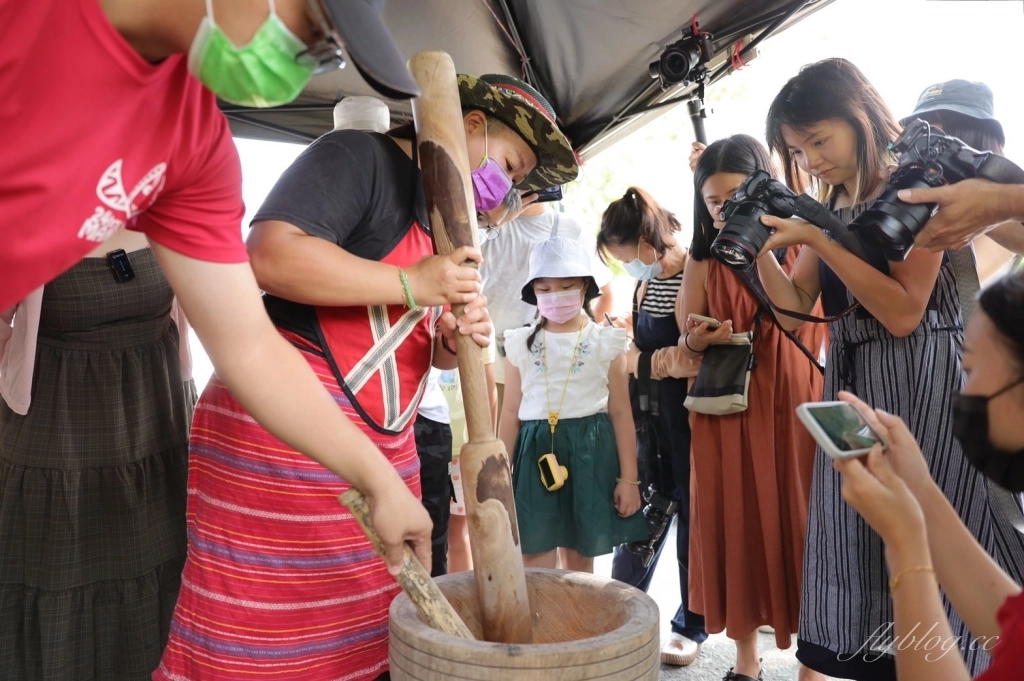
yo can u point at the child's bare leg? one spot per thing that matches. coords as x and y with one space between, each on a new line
540 560
460 559
571 560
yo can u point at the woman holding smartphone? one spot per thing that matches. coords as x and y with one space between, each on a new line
926 543
751 470
896 340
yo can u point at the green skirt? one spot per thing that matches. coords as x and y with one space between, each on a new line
581 515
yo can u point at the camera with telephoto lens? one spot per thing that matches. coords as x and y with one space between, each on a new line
741 240
927 158
658 512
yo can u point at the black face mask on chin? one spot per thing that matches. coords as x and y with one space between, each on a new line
970 425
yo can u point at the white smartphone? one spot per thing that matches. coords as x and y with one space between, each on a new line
839 428
711 321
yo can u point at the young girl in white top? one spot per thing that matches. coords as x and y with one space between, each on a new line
566 395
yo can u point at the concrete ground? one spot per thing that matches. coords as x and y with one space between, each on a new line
718 654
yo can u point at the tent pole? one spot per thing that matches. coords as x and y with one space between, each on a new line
697 116
272 127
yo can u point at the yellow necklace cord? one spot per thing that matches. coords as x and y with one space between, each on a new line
553 415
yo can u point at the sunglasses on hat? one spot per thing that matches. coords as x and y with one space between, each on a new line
326 54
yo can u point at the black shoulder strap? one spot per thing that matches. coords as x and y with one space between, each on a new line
636 304
821 217
648 390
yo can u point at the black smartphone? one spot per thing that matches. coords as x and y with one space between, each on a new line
548 194
122 266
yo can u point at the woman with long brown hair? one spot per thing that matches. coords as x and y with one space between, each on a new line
896 340
751 470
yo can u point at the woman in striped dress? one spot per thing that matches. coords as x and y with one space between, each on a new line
900 349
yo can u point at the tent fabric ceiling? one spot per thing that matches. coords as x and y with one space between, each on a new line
588 57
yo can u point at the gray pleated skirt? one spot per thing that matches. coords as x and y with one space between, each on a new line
93 482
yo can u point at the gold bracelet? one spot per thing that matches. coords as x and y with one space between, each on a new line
628 482
895 581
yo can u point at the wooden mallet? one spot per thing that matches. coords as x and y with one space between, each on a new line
414 579
486 477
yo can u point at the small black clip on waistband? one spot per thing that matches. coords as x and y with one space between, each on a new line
122 266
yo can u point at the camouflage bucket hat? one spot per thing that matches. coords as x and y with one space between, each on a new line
525 110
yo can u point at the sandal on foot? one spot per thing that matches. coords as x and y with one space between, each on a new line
679 650
733 676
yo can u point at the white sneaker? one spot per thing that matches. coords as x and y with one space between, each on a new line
766 629
679 650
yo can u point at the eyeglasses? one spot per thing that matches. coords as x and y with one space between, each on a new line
326 54
486 231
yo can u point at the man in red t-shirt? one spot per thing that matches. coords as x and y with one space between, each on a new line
144 147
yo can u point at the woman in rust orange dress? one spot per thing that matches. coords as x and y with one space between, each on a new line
751 470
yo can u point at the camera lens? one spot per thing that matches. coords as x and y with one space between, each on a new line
741 240
892 224
676 65
676 62
734 255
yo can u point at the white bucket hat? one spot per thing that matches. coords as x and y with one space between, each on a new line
559 258
362 113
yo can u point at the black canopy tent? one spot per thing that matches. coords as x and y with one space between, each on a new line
588 57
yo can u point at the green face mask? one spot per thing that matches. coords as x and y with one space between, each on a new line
261 74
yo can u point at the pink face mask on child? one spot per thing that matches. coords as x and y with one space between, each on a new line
560 306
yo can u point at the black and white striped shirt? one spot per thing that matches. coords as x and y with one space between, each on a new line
660 297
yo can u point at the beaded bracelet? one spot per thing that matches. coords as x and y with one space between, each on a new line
628 482
895 581
686 341
410 302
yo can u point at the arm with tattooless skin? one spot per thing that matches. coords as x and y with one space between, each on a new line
898 300
627 491
926 542
277 387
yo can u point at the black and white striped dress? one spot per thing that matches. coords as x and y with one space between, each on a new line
845 599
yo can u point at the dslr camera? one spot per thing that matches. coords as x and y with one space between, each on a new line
684 60
927 158
741 240
658 512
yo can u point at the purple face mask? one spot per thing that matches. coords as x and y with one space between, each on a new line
490 182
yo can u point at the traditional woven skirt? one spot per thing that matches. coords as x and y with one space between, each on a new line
581 515
92 482
280 582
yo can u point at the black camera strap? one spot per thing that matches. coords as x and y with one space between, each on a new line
752 281
999 169
822 218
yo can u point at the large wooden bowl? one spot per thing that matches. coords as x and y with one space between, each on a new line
584 627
